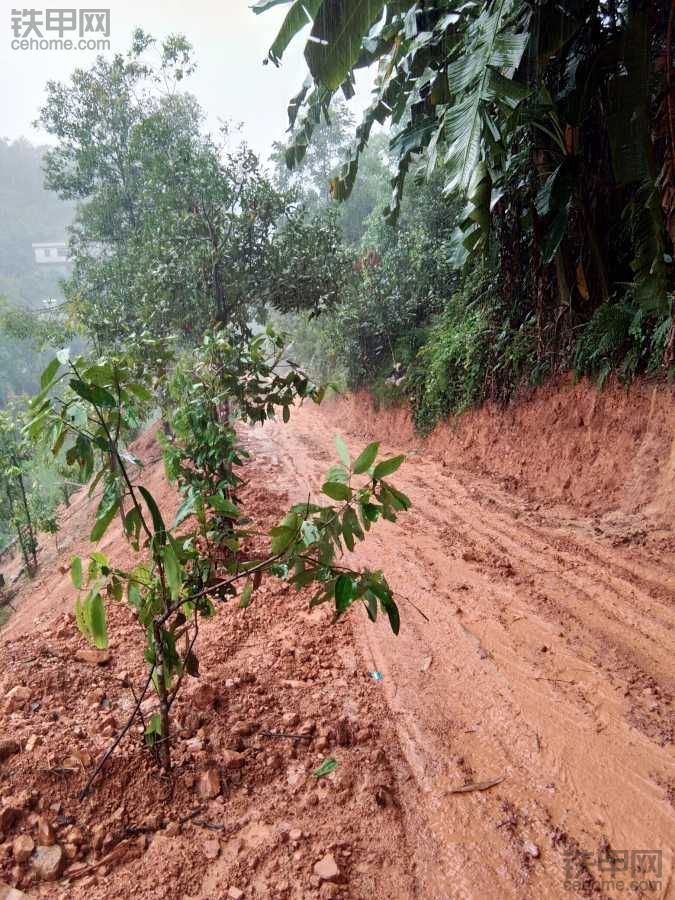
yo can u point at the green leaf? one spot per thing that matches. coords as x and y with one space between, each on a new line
49 373
116 588
398 498
103 521
371 605
173 571
366 458
94 394
394 619
336 38
300 14
345 592
337 472
263 5
282 537
342 450
157 520
76 572
96 620
310 534
245 598
223 506
336 490
347 531
329 765
154 730
388 466
140 392
185 510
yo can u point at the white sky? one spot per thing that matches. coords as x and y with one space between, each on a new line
229 41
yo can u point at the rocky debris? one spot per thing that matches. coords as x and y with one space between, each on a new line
531 850
70 851
45 833
98 835
208 784
345 732
211 849
234 893
195 744
95 698
10 893
294 834
48 862
9 816
22 847
33 741
326 869
74 836
93 657
203 696
231 759
108 725
243 729
8 747
17 697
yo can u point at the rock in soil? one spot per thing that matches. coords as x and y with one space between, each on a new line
48 862
8 747
10 893
23 847
208 785
327 869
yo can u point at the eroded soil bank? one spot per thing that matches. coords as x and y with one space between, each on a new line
597 450
542 665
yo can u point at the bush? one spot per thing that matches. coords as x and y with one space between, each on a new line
621 337
475 351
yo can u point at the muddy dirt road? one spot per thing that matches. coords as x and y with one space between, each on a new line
547 661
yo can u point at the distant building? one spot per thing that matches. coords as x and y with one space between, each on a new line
51 252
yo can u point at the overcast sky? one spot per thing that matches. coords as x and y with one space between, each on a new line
230 43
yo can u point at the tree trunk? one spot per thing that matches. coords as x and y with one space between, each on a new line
164 744
29 524
17 526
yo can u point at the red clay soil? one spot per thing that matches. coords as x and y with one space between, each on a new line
596 450
519 745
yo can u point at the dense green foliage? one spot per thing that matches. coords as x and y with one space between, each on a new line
174 229
547 132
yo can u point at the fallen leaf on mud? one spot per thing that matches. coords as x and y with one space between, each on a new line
327 766
476 786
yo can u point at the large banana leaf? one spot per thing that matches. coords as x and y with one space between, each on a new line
263 5
475 80
337 37
301 13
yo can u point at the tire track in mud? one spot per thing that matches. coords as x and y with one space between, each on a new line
547 660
